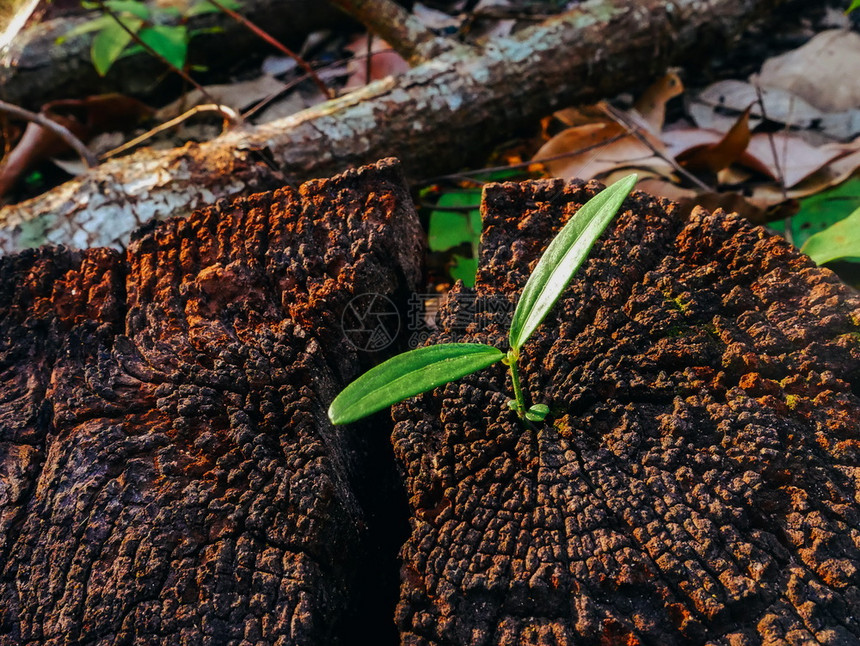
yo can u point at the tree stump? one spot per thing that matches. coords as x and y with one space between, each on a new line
697 479
168 474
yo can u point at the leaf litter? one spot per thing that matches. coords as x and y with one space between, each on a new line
757 147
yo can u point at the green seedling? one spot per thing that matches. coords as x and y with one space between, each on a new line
418 371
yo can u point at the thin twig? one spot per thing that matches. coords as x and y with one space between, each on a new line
779 173
621 119
229 115
368 62
786 229
61 131
277 45
137 39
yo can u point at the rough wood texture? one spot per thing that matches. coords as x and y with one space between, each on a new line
167 471
37 68
699 479
434 118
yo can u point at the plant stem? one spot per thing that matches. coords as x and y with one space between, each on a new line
513 358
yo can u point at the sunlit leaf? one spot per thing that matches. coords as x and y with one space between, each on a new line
109 43
563 257
842 240
822 210
407 375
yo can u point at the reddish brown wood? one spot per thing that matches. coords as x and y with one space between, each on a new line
167 471
698 481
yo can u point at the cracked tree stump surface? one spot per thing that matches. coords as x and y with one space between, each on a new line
697 481
168 474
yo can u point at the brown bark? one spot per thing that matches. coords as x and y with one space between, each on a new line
697 480
167 471
434 118
38 69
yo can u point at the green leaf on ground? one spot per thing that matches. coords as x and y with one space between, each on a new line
464 269
456 219
409 374
171 41
822 210
109 43
841 241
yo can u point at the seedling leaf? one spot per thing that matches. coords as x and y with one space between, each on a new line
409 374
563 257
537 413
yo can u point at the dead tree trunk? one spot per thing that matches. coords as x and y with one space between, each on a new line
167 470
433 118
37 68
697 480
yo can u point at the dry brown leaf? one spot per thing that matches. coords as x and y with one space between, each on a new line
797 160
592 126
652 104
651 107
708 107
707 110
598 148
823 71
712 158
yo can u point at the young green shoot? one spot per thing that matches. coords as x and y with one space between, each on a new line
418 371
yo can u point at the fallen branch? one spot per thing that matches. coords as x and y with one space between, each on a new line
435 118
